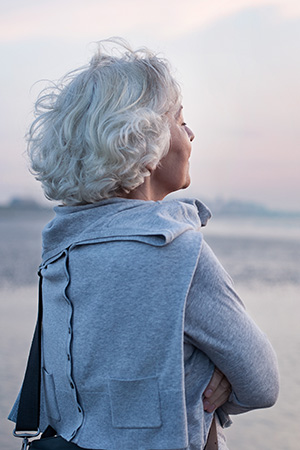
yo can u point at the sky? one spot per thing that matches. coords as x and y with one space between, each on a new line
238 62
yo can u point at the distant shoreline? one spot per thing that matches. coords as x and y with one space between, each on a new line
219 208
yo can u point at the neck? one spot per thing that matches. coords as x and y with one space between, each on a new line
146 191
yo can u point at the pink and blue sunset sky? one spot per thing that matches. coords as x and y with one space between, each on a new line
238 62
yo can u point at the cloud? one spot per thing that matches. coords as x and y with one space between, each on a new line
73 19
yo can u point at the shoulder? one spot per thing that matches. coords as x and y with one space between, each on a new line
191 208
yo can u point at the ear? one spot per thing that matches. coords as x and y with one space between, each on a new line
150 168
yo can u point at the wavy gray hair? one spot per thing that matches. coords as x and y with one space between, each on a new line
103 127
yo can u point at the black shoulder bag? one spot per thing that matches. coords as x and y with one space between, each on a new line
27 424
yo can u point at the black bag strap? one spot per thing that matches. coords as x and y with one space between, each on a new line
29 405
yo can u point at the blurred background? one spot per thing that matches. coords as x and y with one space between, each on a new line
238 62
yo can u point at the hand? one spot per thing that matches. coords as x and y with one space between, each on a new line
217 391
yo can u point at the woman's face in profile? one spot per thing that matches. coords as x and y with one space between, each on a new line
173 170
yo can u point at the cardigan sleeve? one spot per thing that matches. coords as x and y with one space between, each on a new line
217 323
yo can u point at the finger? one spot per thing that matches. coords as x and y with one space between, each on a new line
214 383
211 404
224 387
211 407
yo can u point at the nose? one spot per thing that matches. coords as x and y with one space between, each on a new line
190 134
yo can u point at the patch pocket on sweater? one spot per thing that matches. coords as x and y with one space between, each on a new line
135 403
51 405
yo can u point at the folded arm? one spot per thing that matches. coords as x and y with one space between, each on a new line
218 324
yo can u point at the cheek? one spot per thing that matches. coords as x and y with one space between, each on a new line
177 144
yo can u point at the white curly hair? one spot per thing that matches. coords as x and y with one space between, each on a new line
103 128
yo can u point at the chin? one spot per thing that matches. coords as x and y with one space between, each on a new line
187 183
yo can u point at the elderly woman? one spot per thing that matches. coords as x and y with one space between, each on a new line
144 337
